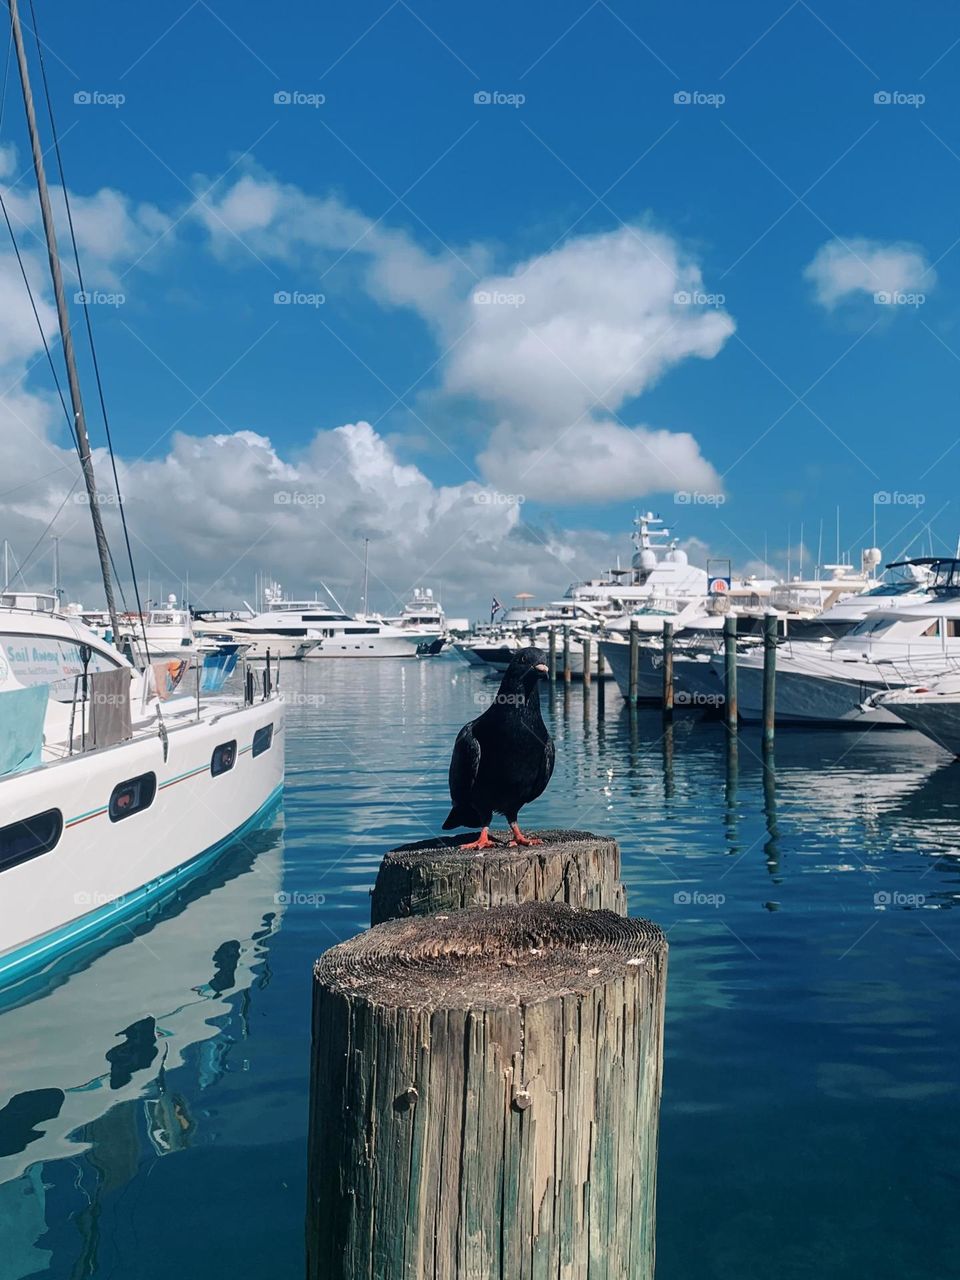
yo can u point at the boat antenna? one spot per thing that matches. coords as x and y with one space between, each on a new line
63 318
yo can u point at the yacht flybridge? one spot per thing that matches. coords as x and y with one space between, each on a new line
116 783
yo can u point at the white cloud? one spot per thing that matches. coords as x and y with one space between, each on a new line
842 268
595 462
590 323
111 229
553 347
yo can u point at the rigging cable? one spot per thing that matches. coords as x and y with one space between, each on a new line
89 329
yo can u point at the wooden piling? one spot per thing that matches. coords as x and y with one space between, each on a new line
575 867
566 655
769 678
667 670
552 655
730 671
601 686
634 664
485 1091
585 643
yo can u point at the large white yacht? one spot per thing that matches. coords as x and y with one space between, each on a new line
893 647
164 632
424 615
699 636
320 629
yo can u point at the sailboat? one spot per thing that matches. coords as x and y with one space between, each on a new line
117 784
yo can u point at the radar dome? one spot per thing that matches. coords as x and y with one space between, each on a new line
645 560
872 557
676 556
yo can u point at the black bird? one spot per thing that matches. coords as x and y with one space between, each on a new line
503 759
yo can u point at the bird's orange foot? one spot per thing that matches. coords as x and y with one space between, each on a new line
484 842
520 839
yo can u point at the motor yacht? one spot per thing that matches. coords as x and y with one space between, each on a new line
890 648
320 629
932 709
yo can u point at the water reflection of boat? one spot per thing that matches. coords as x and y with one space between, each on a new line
90 1066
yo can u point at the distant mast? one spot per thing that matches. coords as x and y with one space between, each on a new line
63 318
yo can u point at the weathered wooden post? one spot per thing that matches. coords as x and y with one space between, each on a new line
485 1092
769 678
667 670
566 655
601 686
585 642
632 687
552 660
730 671
575 867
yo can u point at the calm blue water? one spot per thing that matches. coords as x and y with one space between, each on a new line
153 1106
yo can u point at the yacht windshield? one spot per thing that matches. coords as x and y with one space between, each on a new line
892 589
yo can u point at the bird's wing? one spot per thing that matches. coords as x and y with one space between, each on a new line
546 769
464 766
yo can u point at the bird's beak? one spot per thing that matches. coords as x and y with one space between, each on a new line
542 666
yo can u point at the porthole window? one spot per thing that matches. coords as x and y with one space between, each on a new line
224 758
262 740
132 796
29 838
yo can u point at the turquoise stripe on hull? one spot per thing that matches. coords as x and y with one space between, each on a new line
49 947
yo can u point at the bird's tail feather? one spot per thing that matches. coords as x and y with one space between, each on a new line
454 819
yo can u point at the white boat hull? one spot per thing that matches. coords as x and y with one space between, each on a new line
807 695
695 683
935 715
101 870
367 647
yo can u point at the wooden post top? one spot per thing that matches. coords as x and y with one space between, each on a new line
480 958
449 849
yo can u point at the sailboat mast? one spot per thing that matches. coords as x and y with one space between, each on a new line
63 318
366 555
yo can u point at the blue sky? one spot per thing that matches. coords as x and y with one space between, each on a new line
804 405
